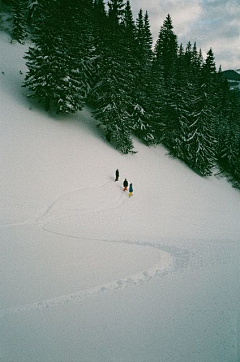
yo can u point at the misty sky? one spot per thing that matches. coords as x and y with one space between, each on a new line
211 23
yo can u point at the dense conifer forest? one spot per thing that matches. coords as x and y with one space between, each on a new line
88 52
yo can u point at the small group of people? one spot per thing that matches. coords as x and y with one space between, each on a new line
125 184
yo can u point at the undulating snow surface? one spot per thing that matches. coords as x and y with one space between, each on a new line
88 274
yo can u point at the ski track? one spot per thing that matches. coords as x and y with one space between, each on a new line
170 259
51 206
159 269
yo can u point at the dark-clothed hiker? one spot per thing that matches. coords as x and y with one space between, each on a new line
117 175
125 185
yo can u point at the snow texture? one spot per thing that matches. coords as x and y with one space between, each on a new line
91 275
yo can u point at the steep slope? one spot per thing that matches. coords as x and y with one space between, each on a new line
89 274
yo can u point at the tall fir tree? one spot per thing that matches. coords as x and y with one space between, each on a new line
19 11
163 79
142 127
112 94
144 39
60 61
178 99
100 30
201 145
166 48
115 12
229 136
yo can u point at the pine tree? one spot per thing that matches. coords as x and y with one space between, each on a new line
144 39
129 23
19 9
112 93
229 135
179 98
154 103
188 55
148 38
100 35
210 66
201 143
163 81
196 60
115 12
166 48
142 66
32 10
60 61
42 69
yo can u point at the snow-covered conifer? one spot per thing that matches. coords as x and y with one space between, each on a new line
60 61
19 9
112 95
166 48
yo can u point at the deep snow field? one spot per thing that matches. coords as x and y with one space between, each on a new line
88 274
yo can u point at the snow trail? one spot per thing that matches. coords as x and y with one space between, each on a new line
160 269
51 213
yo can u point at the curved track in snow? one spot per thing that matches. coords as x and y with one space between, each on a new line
59 211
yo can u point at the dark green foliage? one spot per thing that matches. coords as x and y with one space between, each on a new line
166 48
100 34
112 94
112 105
93 51
201 141
229 136
163 84
19 10
143 62
60 62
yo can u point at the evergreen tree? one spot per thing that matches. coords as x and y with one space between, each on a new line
200 59
99 16
201 142
178 99
33 6
143 54
112 94
201 145
163 81
166 48
154 102
19 9
115 12
188 55
144 39
210 66
129 23
196 60
100 41
229 135
148 38
60 61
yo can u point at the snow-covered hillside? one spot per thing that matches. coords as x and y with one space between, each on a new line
91 275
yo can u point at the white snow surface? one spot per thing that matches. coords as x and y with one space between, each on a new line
88 274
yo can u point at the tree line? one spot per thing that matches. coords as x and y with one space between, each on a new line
86 51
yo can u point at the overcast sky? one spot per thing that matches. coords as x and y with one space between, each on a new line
211 23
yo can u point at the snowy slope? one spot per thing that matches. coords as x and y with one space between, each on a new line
89 274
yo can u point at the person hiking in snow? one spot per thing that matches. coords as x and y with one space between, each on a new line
130 190
117 175
125 185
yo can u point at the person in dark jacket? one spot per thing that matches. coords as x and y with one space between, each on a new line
117 175
125 185
130 190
